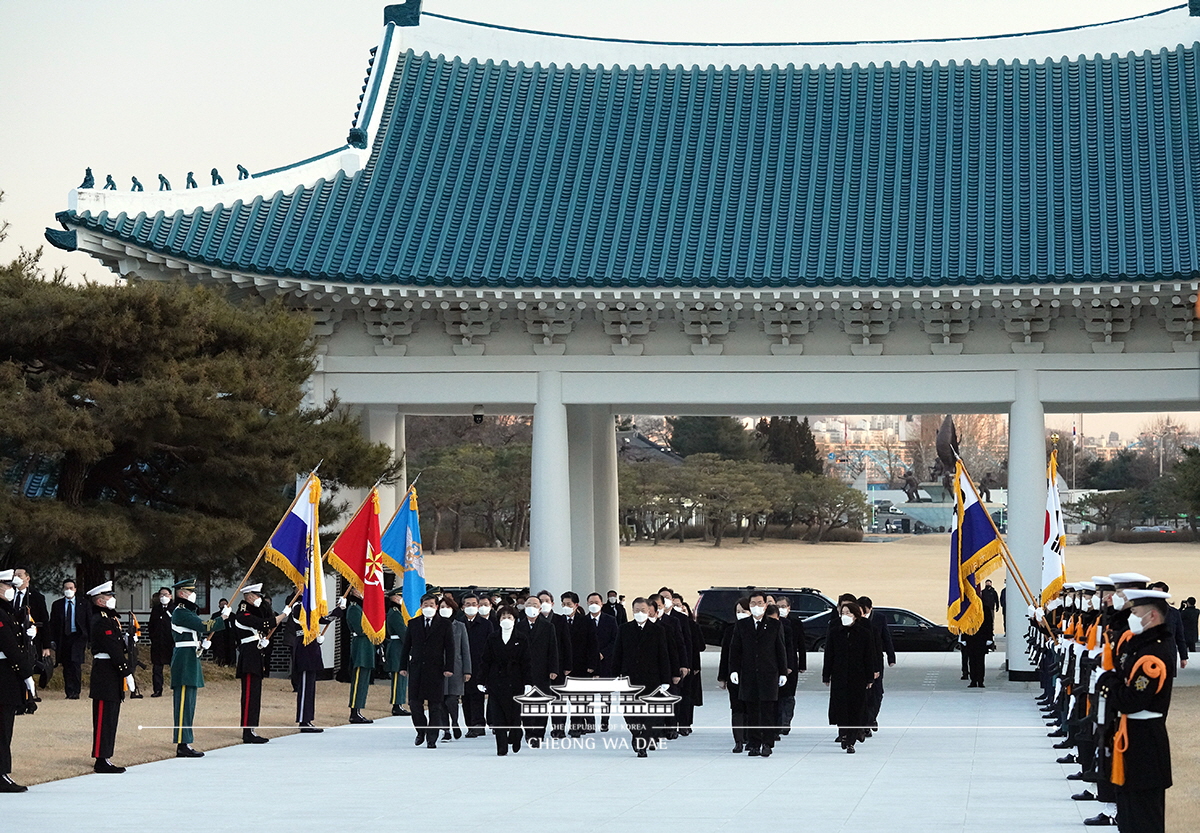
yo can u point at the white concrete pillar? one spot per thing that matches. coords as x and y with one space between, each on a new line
381 428
583 538
550 490
607 574
1026 511
401 448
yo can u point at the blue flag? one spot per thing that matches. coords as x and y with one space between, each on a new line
975 552
401 544
295 548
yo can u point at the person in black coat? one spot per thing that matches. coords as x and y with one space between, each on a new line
16 679
225 641
1174 628
162 644
478 631
690 686
797 660
70 620
737 706
849 671
504 672
758 664
1189 616
307 664
641 655
606 643
31 609
565 661
884 648
111 673
585 650
539 636
614 608
427 659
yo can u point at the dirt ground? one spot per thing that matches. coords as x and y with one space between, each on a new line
905 572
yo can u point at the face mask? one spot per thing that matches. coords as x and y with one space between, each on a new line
257 602
653 618
428 612
1136 625
568 611
110 603
1118 601
847 619
485 611
69 594
593 609
9 594
445 612
640 617
470 610
18 582
531 612
612 600
506 624
741 614
757 610
190 597
547 607
166 600
783 612
668 604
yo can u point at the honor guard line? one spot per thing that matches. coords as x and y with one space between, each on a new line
522 222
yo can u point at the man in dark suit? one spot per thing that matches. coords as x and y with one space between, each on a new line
31 605
544 663
565 661
478 631
606 642
641 655
1174 628
70 621
797 662
883 648
111 674
162 644
678 647
758 665
614 608
585 651
427 659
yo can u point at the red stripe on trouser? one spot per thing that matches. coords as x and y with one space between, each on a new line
99 728
246 700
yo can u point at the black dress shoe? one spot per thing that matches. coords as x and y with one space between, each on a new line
1086 795
137 695
156 694
1075 776
850 748
106 767
457 733
973 684
8 785
1064 744
1057 733
1101 820
1090 777
981 685
420 739
184 751
641 753
964 677
250 737
766 751
397 711
516 744
755 752
356 717
309 729
738 749
1067 759
431 744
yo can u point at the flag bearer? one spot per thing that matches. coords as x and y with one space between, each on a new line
191 638
362 657
253 625
111 673
307 663
396 629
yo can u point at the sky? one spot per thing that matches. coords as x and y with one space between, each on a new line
139 87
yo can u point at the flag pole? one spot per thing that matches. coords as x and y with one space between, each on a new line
291 506
1006 553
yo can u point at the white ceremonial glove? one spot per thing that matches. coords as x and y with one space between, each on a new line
733 677
225 611
136 639
29 685
320 639
782 680
263 642
482 689
32 631
342 603
206 644
129 681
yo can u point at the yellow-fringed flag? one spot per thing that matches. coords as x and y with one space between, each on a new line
402 551
1054 540
975 553
358 555
295 548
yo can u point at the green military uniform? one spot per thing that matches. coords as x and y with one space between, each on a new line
187 676
362 659
396 628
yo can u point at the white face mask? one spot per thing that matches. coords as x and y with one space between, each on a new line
445 612
1118 601
9 594
165 600
470 610
546 607
69 594
612 600
757 611
847 619
428 612
18 582
784 611
531 612
594 609
668 604
190 597
110 603
506 624
1136 625
257 602
741 614
485 611
640 617
568 611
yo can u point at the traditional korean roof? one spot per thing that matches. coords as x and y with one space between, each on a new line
490 174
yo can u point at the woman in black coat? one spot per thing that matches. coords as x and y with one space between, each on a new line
736 706
690 686
849 672
504 673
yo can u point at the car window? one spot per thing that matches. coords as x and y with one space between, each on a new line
896 617
807 604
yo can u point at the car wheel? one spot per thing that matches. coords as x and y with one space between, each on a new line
819 645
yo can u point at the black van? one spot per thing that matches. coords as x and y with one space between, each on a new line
714 608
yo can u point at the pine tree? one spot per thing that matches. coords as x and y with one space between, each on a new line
789 441
726 437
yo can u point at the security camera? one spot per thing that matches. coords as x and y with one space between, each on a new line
477 414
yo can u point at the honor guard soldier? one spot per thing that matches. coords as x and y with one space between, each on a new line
191 639
307 663
16 680
396 629
253 626
111 673
362 657
1139 693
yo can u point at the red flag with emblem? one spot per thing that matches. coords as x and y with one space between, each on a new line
358 556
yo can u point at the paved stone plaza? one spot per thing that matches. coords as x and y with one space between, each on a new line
947 759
